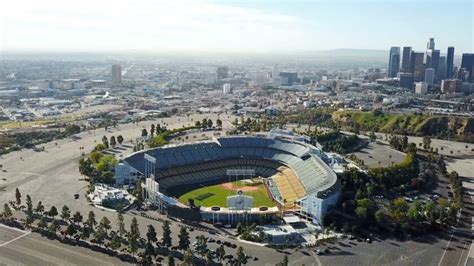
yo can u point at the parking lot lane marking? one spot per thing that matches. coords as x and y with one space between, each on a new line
102 262
446 248
14 239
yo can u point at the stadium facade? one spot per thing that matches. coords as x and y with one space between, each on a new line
305 177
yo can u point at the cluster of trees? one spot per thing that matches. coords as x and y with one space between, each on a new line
109 142
339 143
401 143
77 227
251 233
416 217
397 174
162 138
251 125
22 140
207 123
457 188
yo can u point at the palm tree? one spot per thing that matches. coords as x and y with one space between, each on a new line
54 226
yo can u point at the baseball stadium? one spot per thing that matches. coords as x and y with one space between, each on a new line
227 179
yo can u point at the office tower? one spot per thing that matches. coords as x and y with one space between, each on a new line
406 59
421 88
431 44
405 80
417 67
117 74
451 86
450 62
394 62
429 75
432 59
467 63
222 72
288 78
441 69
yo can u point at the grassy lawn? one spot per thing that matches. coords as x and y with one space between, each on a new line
216 195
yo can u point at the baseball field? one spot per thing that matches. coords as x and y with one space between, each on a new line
216 195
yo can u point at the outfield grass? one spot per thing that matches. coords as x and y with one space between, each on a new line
216 195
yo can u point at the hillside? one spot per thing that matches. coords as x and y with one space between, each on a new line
459 128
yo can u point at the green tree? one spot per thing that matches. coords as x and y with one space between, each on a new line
43 223
105 141
133 243
166 233
188 258
54 226
152 130
134 230
121 225
53 211
105 224
17 197
113 142
39 208
144 132
183 238
201 246
426 142
65 213
120 139
71 230
7 212
241 258
150 249
171 260
209 259
29 204
151 234
115 242
379 217
218 122
220 253
209 123
91 222
77 218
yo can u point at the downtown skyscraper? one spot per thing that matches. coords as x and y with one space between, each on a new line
406 59
450 62
394 62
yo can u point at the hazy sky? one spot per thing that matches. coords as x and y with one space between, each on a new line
233 26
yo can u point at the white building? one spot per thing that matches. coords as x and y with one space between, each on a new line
421 88
226 88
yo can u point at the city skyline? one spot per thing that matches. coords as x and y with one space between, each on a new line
236 26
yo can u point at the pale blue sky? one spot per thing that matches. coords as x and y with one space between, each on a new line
234 26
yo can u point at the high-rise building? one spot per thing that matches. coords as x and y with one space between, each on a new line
117 74
421 88
441 69
432 59
394 62
431 44
288 78
450 62
222 72
405 80
429 75
467 63
417 67
406 59
451 86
